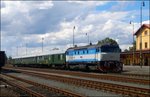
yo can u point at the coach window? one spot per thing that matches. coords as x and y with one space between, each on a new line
83 52
78 52
87 52
61 57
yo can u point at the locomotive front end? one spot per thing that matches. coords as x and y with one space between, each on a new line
110 59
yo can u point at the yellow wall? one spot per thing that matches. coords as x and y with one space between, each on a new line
145 38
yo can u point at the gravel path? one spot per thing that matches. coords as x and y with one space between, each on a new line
101 80
81 90
136 69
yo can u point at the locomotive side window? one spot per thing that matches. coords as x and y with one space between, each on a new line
83 52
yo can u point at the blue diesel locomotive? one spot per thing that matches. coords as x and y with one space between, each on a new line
104 58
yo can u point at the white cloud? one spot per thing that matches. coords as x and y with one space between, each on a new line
27 22
146 22
24 6
88 3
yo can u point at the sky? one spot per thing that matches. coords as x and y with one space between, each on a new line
25 25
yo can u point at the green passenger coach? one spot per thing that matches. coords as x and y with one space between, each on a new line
47 60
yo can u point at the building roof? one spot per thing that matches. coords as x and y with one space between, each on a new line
143 26
138 52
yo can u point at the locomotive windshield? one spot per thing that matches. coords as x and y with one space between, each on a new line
110 49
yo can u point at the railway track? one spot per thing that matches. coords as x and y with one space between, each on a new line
8 91
102 76
106 77
136 75
34 94
27 91
119 89
74 72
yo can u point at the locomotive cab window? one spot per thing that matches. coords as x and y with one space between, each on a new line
66 53
97 50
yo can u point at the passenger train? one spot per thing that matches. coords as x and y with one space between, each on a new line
104 58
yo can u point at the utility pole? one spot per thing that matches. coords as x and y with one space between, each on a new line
133 41
42 44
87 34
73 35
17 50
26 48
142 5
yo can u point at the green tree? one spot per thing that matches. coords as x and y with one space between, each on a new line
9 60
133 47
107 41
126 50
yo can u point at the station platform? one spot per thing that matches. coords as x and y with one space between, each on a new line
137 69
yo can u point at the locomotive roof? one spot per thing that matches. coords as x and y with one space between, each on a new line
88 46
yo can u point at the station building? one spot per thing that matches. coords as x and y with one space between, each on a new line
142 46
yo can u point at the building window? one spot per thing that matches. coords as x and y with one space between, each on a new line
145 33
140 45
145 44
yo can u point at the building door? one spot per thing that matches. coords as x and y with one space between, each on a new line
146 61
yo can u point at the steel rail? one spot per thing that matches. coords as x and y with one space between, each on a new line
121 89
51 89
26 90
139 75
106 77
62 71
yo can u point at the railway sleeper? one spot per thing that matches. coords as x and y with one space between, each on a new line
54 89
85 82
